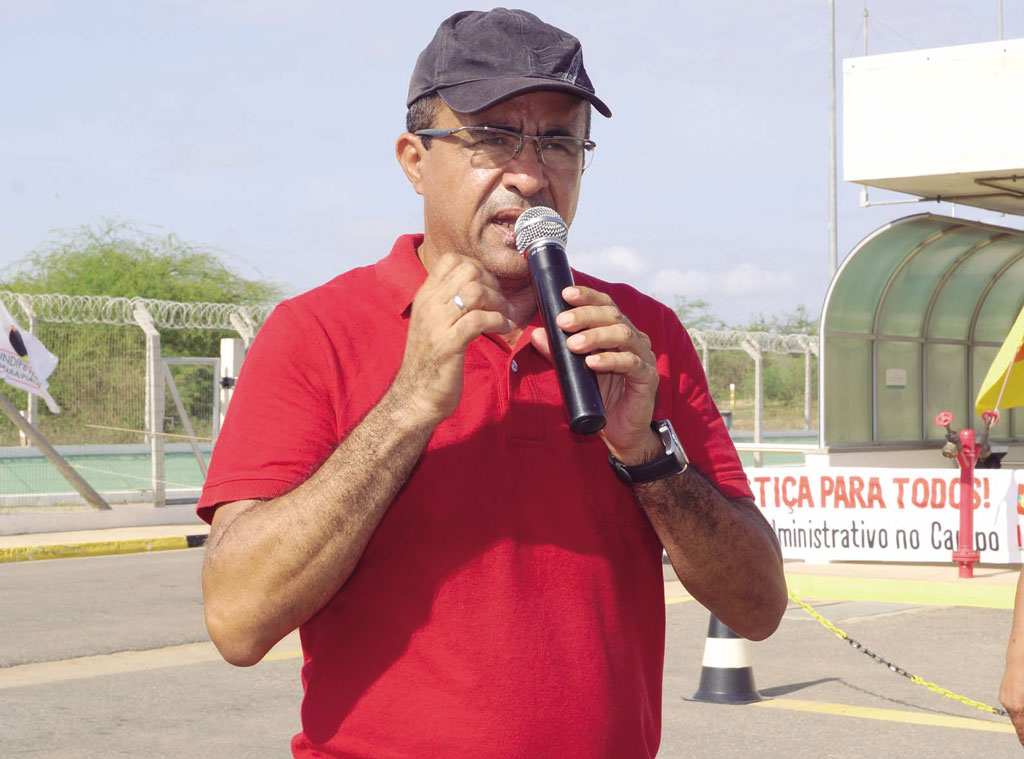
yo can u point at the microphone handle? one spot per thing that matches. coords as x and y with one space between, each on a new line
550 271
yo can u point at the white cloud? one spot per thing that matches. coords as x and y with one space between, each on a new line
688 282
748 279
615 264
745 279
622 264
733 293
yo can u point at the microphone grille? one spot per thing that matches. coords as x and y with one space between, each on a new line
539 223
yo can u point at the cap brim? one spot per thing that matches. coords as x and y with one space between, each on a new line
478 95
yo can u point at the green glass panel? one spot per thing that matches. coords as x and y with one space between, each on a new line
1002 305
899 391
848 394
955 304
912 288
855 295
947 387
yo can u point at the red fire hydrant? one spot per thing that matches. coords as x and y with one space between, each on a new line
967 453
965 555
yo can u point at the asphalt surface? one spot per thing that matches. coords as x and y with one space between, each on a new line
107 656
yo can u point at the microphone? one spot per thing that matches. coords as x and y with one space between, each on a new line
541 236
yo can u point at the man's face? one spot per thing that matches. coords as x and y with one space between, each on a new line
472 211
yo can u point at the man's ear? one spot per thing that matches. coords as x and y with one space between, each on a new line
410 153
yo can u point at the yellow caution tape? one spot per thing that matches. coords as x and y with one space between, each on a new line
893 667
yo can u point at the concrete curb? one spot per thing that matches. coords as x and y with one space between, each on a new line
121 515
71 550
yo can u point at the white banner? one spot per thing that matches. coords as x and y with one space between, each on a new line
24 361
866 514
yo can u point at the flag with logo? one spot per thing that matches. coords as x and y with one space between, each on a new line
24 361
1004 384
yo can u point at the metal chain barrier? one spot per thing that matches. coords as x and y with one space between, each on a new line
893 667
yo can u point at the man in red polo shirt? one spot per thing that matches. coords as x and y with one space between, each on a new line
397 479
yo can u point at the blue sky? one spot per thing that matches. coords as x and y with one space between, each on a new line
265 130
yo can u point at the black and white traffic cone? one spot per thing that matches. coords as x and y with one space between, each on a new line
726 676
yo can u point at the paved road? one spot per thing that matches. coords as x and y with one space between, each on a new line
107 657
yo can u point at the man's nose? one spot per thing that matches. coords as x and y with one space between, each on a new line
526 172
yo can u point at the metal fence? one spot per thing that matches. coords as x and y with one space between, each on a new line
759 346
140 384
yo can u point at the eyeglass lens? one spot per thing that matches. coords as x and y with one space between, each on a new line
494 148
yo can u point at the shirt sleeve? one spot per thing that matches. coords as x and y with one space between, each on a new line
281 424
695 416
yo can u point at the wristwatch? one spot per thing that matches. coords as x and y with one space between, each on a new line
673 462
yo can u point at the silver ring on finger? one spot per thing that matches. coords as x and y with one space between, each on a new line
459 302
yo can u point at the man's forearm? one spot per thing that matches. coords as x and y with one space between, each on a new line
1011 690
723 551
270 566
274 564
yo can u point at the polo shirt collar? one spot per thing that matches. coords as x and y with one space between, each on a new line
401 274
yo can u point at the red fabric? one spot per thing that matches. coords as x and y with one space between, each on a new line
511 602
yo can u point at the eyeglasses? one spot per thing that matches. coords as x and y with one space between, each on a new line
492 148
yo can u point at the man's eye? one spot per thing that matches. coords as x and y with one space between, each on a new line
559 146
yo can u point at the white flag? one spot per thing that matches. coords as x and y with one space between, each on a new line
24 361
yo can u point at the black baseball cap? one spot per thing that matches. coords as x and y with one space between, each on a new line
479 58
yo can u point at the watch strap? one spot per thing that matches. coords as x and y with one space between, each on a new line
673 462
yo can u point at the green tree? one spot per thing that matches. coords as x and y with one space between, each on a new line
119 259
784 375
798 322
696 314
102 367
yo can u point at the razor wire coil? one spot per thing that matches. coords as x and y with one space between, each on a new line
103 309
766 342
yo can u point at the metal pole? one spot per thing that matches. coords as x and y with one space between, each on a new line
66 470
232 353
185 421
833 241
1000 19
753 350
32 409
758 405
154 403
807 388
865 28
